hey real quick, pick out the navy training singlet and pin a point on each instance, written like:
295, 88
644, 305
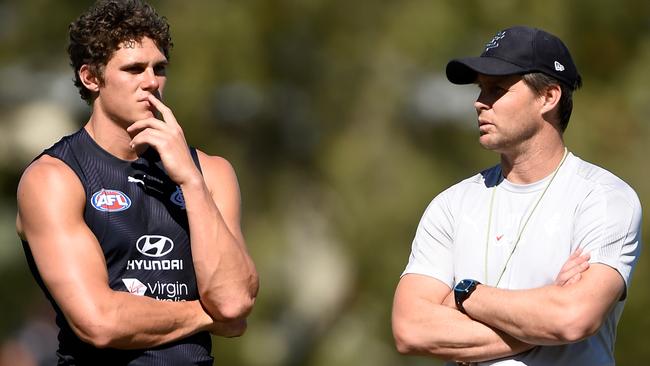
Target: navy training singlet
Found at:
138, 216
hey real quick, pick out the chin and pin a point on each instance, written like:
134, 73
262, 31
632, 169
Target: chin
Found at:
489, 144
144, 115
485, 142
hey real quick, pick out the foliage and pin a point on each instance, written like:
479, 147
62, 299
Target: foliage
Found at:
341, 126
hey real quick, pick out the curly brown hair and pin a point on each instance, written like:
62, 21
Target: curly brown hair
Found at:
98, 33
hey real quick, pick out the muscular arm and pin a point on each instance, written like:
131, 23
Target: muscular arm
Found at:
423, 303
551, 314
422, 324
225, 273
71, 264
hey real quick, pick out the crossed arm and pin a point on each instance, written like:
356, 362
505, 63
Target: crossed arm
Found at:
226, 276
501, 322
423, 324
550, 315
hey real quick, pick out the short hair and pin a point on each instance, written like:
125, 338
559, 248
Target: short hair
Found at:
100, 31
538, 82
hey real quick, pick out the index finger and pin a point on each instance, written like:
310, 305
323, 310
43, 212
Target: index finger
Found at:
165, 111
576, 253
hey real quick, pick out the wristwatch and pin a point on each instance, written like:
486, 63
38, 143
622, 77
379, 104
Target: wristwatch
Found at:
462, 290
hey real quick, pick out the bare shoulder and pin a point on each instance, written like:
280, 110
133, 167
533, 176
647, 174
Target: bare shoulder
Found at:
218, 172
214, 162
221, 180
46, 174
47, 183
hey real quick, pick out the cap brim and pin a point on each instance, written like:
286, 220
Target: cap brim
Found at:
465, 70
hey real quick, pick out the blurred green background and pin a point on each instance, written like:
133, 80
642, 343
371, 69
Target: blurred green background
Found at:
342, 127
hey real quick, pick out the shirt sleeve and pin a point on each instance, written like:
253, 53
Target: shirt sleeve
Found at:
431, 250
608, 227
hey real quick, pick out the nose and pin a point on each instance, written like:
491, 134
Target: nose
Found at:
481, 103
150, 81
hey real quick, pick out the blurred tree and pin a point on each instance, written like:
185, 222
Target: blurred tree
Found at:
342, 127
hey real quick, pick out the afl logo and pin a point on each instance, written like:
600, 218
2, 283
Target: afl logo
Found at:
154, 245
110, 200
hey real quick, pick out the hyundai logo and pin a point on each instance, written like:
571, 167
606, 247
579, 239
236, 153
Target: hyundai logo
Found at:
154, 245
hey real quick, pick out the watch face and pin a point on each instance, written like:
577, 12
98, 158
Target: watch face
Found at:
462, 291
464, 285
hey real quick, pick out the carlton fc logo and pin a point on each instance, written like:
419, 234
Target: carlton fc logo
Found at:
177, 198
110, 200
154, 245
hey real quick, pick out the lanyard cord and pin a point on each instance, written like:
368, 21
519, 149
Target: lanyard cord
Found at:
521, 231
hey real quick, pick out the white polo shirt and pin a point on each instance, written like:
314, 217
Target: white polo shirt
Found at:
585, 206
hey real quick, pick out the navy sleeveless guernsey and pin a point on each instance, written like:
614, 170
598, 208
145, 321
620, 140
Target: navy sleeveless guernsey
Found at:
138, 216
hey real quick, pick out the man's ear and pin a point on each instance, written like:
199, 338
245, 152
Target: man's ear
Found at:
88, 78
551, 97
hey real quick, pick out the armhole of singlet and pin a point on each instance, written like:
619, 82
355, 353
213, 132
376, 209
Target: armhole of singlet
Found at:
195, 157
61, 159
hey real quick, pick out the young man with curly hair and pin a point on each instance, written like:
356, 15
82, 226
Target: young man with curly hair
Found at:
133, 236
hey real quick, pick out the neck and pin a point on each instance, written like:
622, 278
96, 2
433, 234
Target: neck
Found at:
111, 136
533, 164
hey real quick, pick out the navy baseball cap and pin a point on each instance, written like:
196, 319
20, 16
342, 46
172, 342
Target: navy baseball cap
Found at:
517, 51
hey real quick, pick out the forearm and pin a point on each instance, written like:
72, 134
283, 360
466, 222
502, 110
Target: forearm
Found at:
425, 321
162, 322
447, 334
226, 276
126, 321
543, 316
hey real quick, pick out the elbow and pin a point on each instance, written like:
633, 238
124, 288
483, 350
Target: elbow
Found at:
237, 310
413, 338
101, 341
404, 345
96, 330
406, 340
232, 310
408, 344
576, 325
577, 331
236, 306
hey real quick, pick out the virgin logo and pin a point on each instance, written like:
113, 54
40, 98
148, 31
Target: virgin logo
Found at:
154, 245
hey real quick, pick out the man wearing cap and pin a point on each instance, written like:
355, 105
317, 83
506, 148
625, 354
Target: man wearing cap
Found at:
529, 261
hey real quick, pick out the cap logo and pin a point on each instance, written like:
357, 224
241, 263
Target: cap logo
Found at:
494, 43
559, 66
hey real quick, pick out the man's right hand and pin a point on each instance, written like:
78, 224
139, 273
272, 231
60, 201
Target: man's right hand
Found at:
572, 269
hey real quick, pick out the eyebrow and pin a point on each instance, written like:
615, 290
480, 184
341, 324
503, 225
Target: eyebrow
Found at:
143, 64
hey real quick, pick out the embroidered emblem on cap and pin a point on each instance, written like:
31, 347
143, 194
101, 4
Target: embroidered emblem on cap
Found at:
494, 43
559, 66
